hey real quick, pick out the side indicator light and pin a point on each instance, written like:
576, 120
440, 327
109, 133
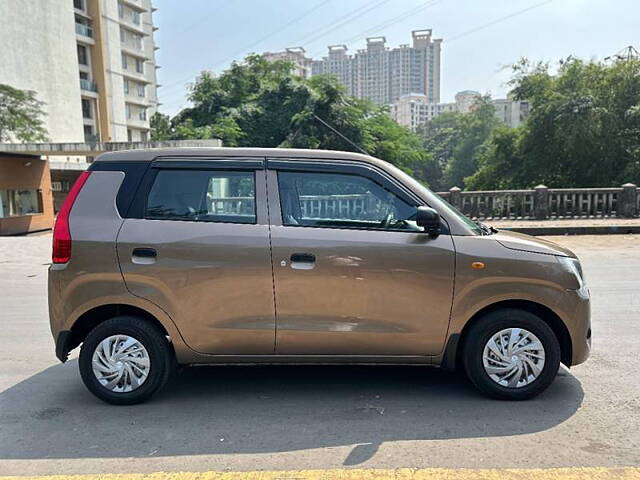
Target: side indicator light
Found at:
478, 265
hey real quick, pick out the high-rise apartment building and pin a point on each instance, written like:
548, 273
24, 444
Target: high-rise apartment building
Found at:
295, 55
91, 61
415, 109
510, 111
383, 74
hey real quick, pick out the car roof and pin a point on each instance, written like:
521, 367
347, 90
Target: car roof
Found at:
216, 153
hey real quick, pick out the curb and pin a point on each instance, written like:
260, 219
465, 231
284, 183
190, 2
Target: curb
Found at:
586, 230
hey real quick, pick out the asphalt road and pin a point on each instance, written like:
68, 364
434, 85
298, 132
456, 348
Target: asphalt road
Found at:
285, 418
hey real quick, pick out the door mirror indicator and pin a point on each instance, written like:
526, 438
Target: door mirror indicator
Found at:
429, 219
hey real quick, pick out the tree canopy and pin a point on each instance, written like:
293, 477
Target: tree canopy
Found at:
583, 129
456, 141
20, 115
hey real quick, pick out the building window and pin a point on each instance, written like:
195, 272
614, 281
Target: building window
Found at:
135, 16
120, 10
124, 61
83, 55
131, 39
86, 108
139, 66
140, 90
144, 136
126, 87
15, 203
129, 133
79, 4
142, 115
128, 108
89, 135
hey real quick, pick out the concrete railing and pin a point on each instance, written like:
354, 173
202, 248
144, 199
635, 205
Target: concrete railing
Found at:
543, 203
358, 206
540, 203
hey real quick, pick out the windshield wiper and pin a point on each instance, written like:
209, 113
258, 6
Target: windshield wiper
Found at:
486, 230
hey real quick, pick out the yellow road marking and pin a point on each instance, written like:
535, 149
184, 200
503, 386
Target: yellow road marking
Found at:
622, 473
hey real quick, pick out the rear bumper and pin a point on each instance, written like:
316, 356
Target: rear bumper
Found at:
64, 343
61, 337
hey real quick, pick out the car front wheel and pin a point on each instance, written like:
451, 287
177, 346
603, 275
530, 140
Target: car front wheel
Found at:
511, 354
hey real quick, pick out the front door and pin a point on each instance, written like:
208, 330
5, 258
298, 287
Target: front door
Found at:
200, 251
353, 273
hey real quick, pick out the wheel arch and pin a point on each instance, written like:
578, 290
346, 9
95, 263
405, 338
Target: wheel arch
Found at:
99, 314
455, 346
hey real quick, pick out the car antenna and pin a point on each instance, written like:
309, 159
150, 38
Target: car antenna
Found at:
362, 150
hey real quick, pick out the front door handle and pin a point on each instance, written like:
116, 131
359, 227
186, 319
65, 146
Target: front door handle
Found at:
303, 261
144, 256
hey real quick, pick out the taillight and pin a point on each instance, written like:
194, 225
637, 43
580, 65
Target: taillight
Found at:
61, 232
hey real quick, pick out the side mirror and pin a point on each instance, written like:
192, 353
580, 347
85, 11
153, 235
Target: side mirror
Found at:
428, 218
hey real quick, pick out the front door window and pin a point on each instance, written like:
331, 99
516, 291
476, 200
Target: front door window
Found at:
338, 200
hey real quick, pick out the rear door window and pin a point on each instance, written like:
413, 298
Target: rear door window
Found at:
203, 196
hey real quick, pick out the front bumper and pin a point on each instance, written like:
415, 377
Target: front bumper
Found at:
580, 329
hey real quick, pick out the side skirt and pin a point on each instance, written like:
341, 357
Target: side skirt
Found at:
312, 360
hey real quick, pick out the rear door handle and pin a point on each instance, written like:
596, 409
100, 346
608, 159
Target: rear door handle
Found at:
144, 256
303, 261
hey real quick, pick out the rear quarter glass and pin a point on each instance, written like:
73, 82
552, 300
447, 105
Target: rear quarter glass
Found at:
133, 173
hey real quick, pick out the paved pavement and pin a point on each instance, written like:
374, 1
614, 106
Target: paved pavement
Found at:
569, 222
290, 418
571, 226
591, 473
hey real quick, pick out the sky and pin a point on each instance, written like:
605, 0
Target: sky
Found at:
481, 38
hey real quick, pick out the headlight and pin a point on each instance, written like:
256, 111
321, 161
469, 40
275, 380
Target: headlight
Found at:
572, 265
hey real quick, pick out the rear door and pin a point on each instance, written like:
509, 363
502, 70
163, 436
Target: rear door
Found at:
199, 249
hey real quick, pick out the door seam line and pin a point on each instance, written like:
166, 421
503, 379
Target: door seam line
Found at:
273, 277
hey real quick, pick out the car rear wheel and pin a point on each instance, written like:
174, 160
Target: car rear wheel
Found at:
511, 354
125, 360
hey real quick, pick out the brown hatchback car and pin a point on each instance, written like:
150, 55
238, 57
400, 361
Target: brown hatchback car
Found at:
218, 256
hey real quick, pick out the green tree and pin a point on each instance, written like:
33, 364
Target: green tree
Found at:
160, 126
474, 129
457, 141
583, 129
21, 115
500, 162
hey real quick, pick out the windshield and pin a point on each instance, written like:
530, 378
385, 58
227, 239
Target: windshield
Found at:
441, 205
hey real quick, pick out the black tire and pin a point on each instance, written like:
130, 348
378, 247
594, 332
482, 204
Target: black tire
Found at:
161, 357
481, 332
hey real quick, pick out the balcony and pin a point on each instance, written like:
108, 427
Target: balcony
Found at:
135, 4
133, 48
136, 99
88, 85
130, 25
91, 138
84, 30
136, 76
